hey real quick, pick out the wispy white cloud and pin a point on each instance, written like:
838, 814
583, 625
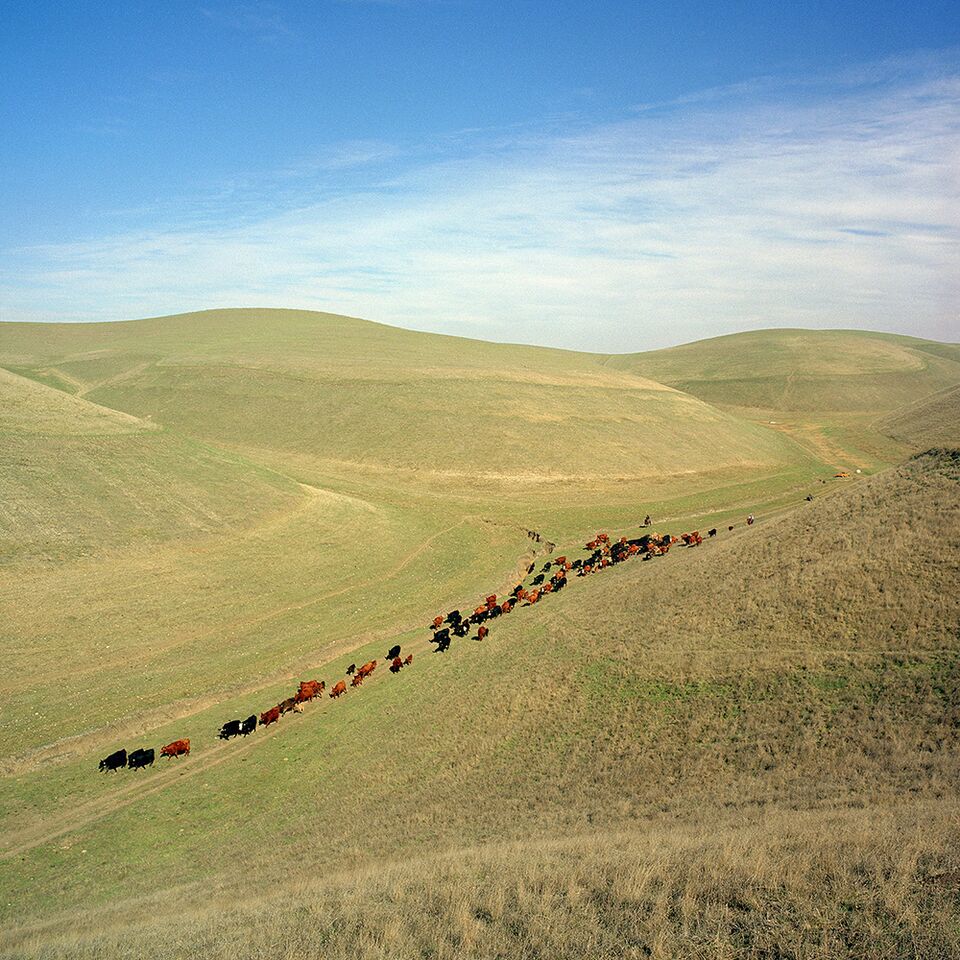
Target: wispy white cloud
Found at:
257, 18
745, 209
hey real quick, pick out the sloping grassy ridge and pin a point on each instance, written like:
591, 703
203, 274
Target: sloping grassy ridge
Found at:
745, 749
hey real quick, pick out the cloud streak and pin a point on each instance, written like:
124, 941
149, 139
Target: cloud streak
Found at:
744, 209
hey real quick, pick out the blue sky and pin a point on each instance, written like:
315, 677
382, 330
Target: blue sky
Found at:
601, 176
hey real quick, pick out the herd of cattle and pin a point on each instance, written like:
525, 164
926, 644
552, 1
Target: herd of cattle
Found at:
604, 553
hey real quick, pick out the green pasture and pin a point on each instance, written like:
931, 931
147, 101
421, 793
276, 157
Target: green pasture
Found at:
199, 511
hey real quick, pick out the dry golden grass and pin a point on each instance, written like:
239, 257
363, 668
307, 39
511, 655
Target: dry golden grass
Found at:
845, 883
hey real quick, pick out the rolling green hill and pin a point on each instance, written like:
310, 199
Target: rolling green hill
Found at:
79, 479
823, 388
813, 371
339, 396
677, 756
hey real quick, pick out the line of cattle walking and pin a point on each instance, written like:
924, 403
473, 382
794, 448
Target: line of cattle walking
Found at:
604, 553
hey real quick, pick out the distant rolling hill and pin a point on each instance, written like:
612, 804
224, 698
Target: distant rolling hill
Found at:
811, 371
339, 395
730, 748
823, 388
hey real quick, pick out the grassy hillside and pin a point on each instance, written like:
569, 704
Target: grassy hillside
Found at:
803, 370
197, 511
823, 388
728, 750
80, 479
335, 395
283, 485
932, 421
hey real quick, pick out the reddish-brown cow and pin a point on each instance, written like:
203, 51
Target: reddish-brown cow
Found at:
367, 668
179, 748
271, 716
308, 690
339, 687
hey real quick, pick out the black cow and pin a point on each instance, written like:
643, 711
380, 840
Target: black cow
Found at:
537, 580
350, 669
141, 758
442, 636
712, 533
393, 652
230, 729
576, 565
495, 612
453, 618
547, 566
443, 645
462, 628
115, 761
249, 725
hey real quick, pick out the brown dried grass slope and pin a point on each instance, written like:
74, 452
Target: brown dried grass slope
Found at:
932, 421
746, 749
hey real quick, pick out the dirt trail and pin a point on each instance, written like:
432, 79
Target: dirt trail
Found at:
140, 724
79, 816
172, 772
60, 822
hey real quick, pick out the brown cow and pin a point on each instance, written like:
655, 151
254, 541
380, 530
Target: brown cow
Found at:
506, 606
533, 597
357, 680
339, 687
437, 623
482, 632
367, 668
408, 660
271, 716
179, 748
285, 706
396, 666
308, 690
492, 600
